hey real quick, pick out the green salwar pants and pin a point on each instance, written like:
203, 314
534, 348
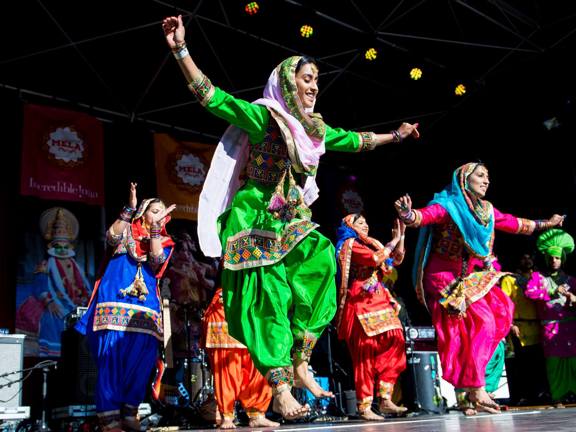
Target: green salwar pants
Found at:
495, 367
561, 376
281, 309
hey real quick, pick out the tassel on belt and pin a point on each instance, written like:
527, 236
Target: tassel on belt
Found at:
286, 206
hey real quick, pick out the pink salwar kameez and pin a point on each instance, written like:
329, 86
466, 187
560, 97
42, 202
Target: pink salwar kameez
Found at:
467, 340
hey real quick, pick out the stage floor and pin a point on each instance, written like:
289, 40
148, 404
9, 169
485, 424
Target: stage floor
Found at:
529, 420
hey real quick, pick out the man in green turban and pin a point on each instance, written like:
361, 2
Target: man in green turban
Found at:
555, 293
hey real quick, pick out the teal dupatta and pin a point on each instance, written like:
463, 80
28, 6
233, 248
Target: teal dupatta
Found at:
475, 221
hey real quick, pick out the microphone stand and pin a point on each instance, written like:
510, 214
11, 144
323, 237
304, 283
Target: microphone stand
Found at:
42, 424
336, 385
187, 360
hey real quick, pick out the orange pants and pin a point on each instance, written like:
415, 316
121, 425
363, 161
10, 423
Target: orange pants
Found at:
377, 360
236, 378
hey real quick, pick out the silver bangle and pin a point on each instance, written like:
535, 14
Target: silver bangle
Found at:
396, 137
181, 53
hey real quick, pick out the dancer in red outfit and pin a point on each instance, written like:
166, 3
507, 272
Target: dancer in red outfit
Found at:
368, 314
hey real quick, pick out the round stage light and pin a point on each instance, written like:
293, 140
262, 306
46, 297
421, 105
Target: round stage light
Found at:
460, 90
416, 73
371, 54
252, 8
306, 31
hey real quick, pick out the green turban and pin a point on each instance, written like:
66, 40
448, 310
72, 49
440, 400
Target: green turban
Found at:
555, 242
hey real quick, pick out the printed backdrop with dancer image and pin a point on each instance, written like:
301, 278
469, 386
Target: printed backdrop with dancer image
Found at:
55, 275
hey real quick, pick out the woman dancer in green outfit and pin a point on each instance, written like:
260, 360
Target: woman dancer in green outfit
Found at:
278, 278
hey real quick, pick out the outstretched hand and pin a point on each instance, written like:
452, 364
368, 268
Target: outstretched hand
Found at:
403, 205
556, 220
132, 200
174, 30
406, 129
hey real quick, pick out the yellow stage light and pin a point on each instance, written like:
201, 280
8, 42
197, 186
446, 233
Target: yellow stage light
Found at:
416, 73
460, 90
252, 8
306, 31
371, 54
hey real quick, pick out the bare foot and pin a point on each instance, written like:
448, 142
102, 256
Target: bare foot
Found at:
227, 423
217, 417
466, 406
482, 401
388, 407
303, 378
370, 415
288, 407
261, 421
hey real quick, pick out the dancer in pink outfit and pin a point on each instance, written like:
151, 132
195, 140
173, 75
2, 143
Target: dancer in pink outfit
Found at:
454, 275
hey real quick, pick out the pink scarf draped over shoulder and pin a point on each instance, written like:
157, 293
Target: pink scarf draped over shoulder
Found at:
232, 153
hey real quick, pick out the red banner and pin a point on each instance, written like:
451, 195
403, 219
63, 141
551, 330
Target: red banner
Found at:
62, 155
181, 169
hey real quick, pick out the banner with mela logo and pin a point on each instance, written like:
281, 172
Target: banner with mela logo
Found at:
181, 168
62, 155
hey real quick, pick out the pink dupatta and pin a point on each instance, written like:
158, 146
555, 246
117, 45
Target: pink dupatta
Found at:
231, 155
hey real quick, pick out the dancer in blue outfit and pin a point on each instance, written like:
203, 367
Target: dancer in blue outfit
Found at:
124, 319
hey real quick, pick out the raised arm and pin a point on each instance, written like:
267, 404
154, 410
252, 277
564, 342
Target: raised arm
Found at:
174, 32
116, 230
158, 222
515, 225
429, 215
399, 250
366, 256
397, 135
338, 139
252, 118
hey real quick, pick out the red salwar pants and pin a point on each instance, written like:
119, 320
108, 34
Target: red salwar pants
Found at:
378, 361
236, 378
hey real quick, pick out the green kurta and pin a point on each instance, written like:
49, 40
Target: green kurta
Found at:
278, 278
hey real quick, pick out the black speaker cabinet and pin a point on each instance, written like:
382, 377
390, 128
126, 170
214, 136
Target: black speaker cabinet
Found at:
421, 383
76, 374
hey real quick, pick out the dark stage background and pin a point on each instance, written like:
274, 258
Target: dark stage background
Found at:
111, 61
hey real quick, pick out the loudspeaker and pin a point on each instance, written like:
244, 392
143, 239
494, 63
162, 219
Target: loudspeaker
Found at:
421, 389
11, 360
350, 402
76, 375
